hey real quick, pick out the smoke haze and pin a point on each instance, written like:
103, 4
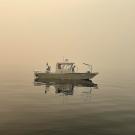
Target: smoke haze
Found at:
98, 32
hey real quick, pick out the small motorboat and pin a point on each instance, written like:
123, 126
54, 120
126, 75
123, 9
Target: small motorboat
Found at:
64, 71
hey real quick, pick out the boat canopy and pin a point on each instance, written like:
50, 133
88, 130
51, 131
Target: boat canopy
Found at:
64, 66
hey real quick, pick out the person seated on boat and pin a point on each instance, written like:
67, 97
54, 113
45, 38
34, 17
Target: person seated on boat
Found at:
73, 68
49, 68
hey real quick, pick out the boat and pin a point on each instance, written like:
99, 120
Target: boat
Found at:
64, 71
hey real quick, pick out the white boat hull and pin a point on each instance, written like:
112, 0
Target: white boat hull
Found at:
64, 76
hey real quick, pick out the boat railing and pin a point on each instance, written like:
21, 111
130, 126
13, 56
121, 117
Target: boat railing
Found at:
90, 67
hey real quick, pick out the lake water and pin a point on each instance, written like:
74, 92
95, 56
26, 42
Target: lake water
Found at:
26, 109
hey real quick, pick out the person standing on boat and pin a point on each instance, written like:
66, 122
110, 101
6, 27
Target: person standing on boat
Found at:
48, 68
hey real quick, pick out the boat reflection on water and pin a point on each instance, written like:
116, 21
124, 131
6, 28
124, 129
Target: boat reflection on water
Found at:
65, 87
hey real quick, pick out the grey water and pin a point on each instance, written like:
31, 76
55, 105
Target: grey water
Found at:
28, 109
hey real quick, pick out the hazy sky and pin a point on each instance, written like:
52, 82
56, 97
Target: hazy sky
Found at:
101, 32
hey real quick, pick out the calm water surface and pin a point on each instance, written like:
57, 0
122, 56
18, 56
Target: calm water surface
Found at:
26, 109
